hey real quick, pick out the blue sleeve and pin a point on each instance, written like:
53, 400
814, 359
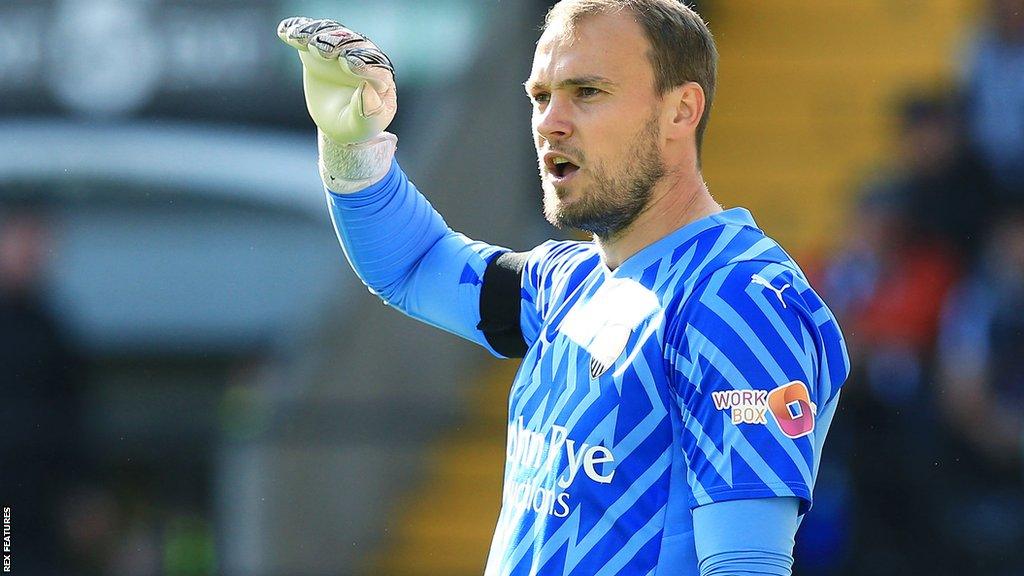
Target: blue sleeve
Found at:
746, 537
749, 370
403, 250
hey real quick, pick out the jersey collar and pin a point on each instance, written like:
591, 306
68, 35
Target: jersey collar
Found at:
657, 250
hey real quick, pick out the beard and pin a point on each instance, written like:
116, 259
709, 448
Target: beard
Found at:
617, 195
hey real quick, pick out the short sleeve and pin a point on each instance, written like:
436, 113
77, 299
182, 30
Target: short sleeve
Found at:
744, 357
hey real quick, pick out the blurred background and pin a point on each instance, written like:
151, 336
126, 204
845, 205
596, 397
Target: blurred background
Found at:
193, 382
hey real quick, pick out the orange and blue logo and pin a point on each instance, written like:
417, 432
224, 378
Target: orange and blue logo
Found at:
792, 408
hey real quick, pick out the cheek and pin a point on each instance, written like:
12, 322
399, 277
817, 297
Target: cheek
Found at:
624, 143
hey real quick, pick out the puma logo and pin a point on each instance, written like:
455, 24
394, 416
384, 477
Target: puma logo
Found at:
761, 281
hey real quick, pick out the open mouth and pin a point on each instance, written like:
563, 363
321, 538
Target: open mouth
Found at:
560, 166
564, 169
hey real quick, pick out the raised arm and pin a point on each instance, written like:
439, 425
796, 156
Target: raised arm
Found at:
400, 247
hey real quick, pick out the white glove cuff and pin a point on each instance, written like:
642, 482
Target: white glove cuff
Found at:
347, 168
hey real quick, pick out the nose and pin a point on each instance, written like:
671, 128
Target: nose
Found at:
554, 121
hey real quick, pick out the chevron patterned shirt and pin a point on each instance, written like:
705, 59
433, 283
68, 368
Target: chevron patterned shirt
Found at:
703, 369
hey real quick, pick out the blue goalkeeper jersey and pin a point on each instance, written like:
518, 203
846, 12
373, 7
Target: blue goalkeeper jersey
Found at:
702, 369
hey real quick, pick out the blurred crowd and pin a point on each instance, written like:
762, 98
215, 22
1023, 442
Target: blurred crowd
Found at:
925, 464
929, 288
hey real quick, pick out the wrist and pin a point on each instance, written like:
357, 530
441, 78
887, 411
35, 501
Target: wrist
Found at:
347, 168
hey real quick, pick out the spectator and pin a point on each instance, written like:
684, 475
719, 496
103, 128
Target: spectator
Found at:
886, 288
947, 190
982, 349
914, 230
982, 381
38, 398
994, 79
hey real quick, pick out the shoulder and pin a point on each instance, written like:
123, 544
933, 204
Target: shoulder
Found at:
761, 314
745, 292
731, 238
732, 265
740, 273
553, 268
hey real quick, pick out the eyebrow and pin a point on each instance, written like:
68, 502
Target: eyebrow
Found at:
590, 80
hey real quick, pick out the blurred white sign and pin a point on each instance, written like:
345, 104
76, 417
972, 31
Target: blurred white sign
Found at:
113, 57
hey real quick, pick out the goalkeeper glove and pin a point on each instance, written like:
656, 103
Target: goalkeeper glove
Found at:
350, 94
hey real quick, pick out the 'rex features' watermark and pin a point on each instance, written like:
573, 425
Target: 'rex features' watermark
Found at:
7, 539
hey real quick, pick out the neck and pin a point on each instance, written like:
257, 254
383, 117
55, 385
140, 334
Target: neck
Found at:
677, 199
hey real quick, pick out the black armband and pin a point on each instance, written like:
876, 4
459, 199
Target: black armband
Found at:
501, 302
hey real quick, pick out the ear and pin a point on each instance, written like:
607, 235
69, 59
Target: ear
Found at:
685, 107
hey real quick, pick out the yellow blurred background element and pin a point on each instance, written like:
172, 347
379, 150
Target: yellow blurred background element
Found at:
805, 102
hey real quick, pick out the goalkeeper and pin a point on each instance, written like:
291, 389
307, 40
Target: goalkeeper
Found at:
679, 375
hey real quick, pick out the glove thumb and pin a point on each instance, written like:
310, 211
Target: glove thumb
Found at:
367, 100
364, 117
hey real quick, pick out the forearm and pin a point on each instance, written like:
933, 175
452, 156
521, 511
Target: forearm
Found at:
747, 563
395, 241
385, 230
403, 250
746, 537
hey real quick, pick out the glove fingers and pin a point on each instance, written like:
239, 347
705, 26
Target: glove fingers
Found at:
289, 23
331, 42
296, 32
371, 64
355, 54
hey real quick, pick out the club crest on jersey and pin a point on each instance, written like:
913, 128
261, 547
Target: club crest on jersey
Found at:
603, 324
606, 346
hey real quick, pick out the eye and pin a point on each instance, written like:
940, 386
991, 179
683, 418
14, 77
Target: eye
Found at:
540, 97
588, 91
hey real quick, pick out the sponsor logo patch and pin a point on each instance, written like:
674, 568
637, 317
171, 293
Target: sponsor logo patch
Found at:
743, 406
790, 405
792, 408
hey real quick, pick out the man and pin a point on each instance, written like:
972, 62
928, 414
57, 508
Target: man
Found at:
40, 398
678, 375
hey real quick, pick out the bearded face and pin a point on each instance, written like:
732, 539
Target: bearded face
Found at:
605, 194
597, 123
